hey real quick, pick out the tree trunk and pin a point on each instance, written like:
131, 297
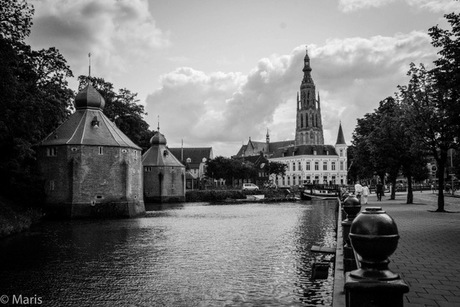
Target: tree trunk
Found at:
393, 189
441, 168
410, 193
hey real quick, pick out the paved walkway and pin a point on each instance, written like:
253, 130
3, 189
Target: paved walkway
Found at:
428, 253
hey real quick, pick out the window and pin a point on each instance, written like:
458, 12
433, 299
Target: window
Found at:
51, 151
325, 179
341, 152
299, 165
325, 166
316, 166
333, 166
101, 150
148, 169
341, 165
293, 166
307, 167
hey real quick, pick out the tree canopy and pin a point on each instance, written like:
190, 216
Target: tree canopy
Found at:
36, 99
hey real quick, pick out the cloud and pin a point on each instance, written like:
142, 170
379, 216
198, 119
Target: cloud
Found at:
436, 5
431, 5
100, 27
354, 5
352, 75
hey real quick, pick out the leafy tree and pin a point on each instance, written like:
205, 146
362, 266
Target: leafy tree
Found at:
36, 98
16, 19
432, 122
123, 109
230, 169
376, 144
275, 168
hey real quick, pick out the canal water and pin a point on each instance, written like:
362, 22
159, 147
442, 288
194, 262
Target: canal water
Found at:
194, 254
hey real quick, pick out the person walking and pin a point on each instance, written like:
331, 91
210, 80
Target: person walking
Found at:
358, 190
379, 191
366, 193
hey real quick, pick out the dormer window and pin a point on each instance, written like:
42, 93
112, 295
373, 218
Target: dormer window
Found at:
188, 160
95, 122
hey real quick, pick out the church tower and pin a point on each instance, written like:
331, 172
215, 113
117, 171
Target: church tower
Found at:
309, 127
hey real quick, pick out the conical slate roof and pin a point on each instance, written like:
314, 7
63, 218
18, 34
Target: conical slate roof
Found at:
89, 125
158, 154
340, 137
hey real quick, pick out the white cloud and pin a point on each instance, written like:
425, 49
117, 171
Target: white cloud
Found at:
117, 33
352, 75
436, 5
431, 5
354, 5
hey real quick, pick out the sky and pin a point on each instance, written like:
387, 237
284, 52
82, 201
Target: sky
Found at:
214, 73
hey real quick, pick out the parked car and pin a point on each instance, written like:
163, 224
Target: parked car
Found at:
250, 187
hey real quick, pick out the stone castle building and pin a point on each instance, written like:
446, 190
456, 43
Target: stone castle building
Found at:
90, 167
307, 158
164, 175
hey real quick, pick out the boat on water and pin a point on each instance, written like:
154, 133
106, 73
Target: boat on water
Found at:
322, 192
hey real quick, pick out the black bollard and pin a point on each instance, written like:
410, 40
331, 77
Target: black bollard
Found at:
351, 207
374, 237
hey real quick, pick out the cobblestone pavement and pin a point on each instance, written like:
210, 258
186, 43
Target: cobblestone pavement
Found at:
428, 253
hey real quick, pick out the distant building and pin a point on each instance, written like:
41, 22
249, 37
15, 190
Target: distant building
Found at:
91, 168
194, 159
164, 175
306, 157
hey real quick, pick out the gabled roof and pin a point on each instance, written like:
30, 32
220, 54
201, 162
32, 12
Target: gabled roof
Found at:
258, 146
274, 146
300, 150
196, 154
81, 129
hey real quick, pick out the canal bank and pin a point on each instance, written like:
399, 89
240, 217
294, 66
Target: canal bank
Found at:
16, 219
427, 252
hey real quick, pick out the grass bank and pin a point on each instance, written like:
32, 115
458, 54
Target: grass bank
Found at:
15, 218
222, 195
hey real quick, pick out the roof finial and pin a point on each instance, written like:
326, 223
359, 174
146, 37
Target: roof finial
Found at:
158, 128
89, 65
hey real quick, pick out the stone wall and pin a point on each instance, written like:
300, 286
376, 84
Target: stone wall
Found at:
164, 184
81, 178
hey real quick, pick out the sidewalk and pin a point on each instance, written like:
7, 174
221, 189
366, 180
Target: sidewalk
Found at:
428, 253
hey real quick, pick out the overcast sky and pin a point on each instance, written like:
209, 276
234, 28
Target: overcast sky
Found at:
217, 72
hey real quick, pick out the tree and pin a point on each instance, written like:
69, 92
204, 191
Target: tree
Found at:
35, 99
432, 120
16, 19
275, 168
230, 169
123, 109
376, 144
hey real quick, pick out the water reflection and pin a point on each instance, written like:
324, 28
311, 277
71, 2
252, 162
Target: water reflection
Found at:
187, 255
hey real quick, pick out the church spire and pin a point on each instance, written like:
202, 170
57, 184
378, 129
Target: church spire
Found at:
306, 69
309, 127
340, 137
